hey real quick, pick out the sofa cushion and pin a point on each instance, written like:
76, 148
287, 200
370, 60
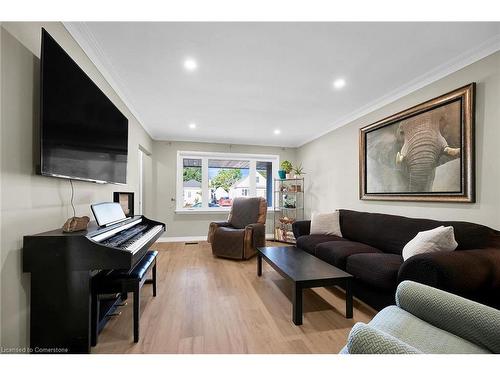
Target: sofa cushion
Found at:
390, 233
326, 223
377, 269
308, 243
337, 252
440, 239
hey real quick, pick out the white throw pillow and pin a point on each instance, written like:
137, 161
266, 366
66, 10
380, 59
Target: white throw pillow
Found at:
327, 223
431, 241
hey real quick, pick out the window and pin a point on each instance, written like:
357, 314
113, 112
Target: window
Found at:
263, 184
210, 181
227, 179
191, 183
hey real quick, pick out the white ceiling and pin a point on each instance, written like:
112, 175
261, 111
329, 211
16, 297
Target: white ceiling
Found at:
254, 78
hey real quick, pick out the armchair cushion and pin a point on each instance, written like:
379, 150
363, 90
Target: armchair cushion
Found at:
244, 211
261, 219
235, 243
365, 339
228, 242
467, 319
213, 226
420, 334
255, 236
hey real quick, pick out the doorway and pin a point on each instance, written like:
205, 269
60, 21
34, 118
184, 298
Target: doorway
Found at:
145, 182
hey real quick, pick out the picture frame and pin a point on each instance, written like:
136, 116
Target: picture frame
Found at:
424, 153
126, 200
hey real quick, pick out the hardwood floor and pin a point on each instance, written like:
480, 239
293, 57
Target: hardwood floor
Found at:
212, 305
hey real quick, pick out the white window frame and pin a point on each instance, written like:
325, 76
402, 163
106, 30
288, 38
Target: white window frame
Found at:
205, 156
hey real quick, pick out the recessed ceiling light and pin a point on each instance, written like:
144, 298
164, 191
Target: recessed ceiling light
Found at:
277, 131
339, 83
190, 64
192, 125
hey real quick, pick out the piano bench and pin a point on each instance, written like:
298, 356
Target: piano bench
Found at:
124, 282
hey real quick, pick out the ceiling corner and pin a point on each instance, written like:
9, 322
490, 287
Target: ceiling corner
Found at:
469, 57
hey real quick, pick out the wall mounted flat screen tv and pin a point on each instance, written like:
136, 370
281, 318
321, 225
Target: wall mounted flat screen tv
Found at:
82, 134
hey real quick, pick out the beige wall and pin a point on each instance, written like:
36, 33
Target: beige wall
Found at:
164, 176
331, 161
31, 203
1, 221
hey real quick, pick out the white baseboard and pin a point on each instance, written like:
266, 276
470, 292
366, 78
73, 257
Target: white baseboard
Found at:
269, 236
182, 239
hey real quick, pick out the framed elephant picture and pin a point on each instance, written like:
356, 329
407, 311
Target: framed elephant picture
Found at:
425, 153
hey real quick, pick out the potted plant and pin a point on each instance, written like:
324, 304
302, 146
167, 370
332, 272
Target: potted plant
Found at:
298, 171
286, 167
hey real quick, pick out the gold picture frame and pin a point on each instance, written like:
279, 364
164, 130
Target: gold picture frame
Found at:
424, 153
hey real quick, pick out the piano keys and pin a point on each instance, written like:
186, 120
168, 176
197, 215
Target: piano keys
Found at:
62, 266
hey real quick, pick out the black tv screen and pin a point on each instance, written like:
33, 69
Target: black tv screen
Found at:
83, 135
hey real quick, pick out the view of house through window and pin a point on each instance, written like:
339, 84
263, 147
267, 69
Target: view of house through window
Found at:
264, 181
223, 177
191, 183
227, 179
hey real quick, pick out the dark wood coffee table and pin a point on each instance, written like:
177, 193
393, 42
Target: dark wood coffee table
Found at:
305, 271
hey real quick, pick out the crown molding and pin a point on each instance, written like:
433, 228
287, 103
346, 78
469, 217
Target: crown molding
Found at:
227, 141
89, 44
489, 47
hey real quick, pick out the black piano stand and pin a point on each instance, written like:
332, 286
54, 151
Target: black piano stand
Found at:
122, 283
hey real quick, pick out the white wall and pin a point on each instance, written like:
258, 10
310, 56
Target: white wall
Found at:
331, 161
164, 177
30, 203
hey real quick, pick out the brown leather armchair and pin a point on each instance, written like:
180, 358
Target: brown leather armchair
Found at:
243, 232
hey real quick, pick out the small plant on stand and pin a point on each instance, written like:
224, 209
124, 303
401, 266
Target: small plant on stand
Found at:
287, 167
298, 171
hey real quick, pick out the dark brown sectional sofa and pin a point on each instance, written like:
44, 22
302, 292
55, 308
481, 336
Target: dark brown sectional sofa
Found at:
371, 248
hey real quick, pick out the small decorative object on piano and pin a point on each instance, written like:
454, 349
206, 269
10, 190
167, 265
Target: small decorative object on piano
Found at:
126, 200
75, 224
